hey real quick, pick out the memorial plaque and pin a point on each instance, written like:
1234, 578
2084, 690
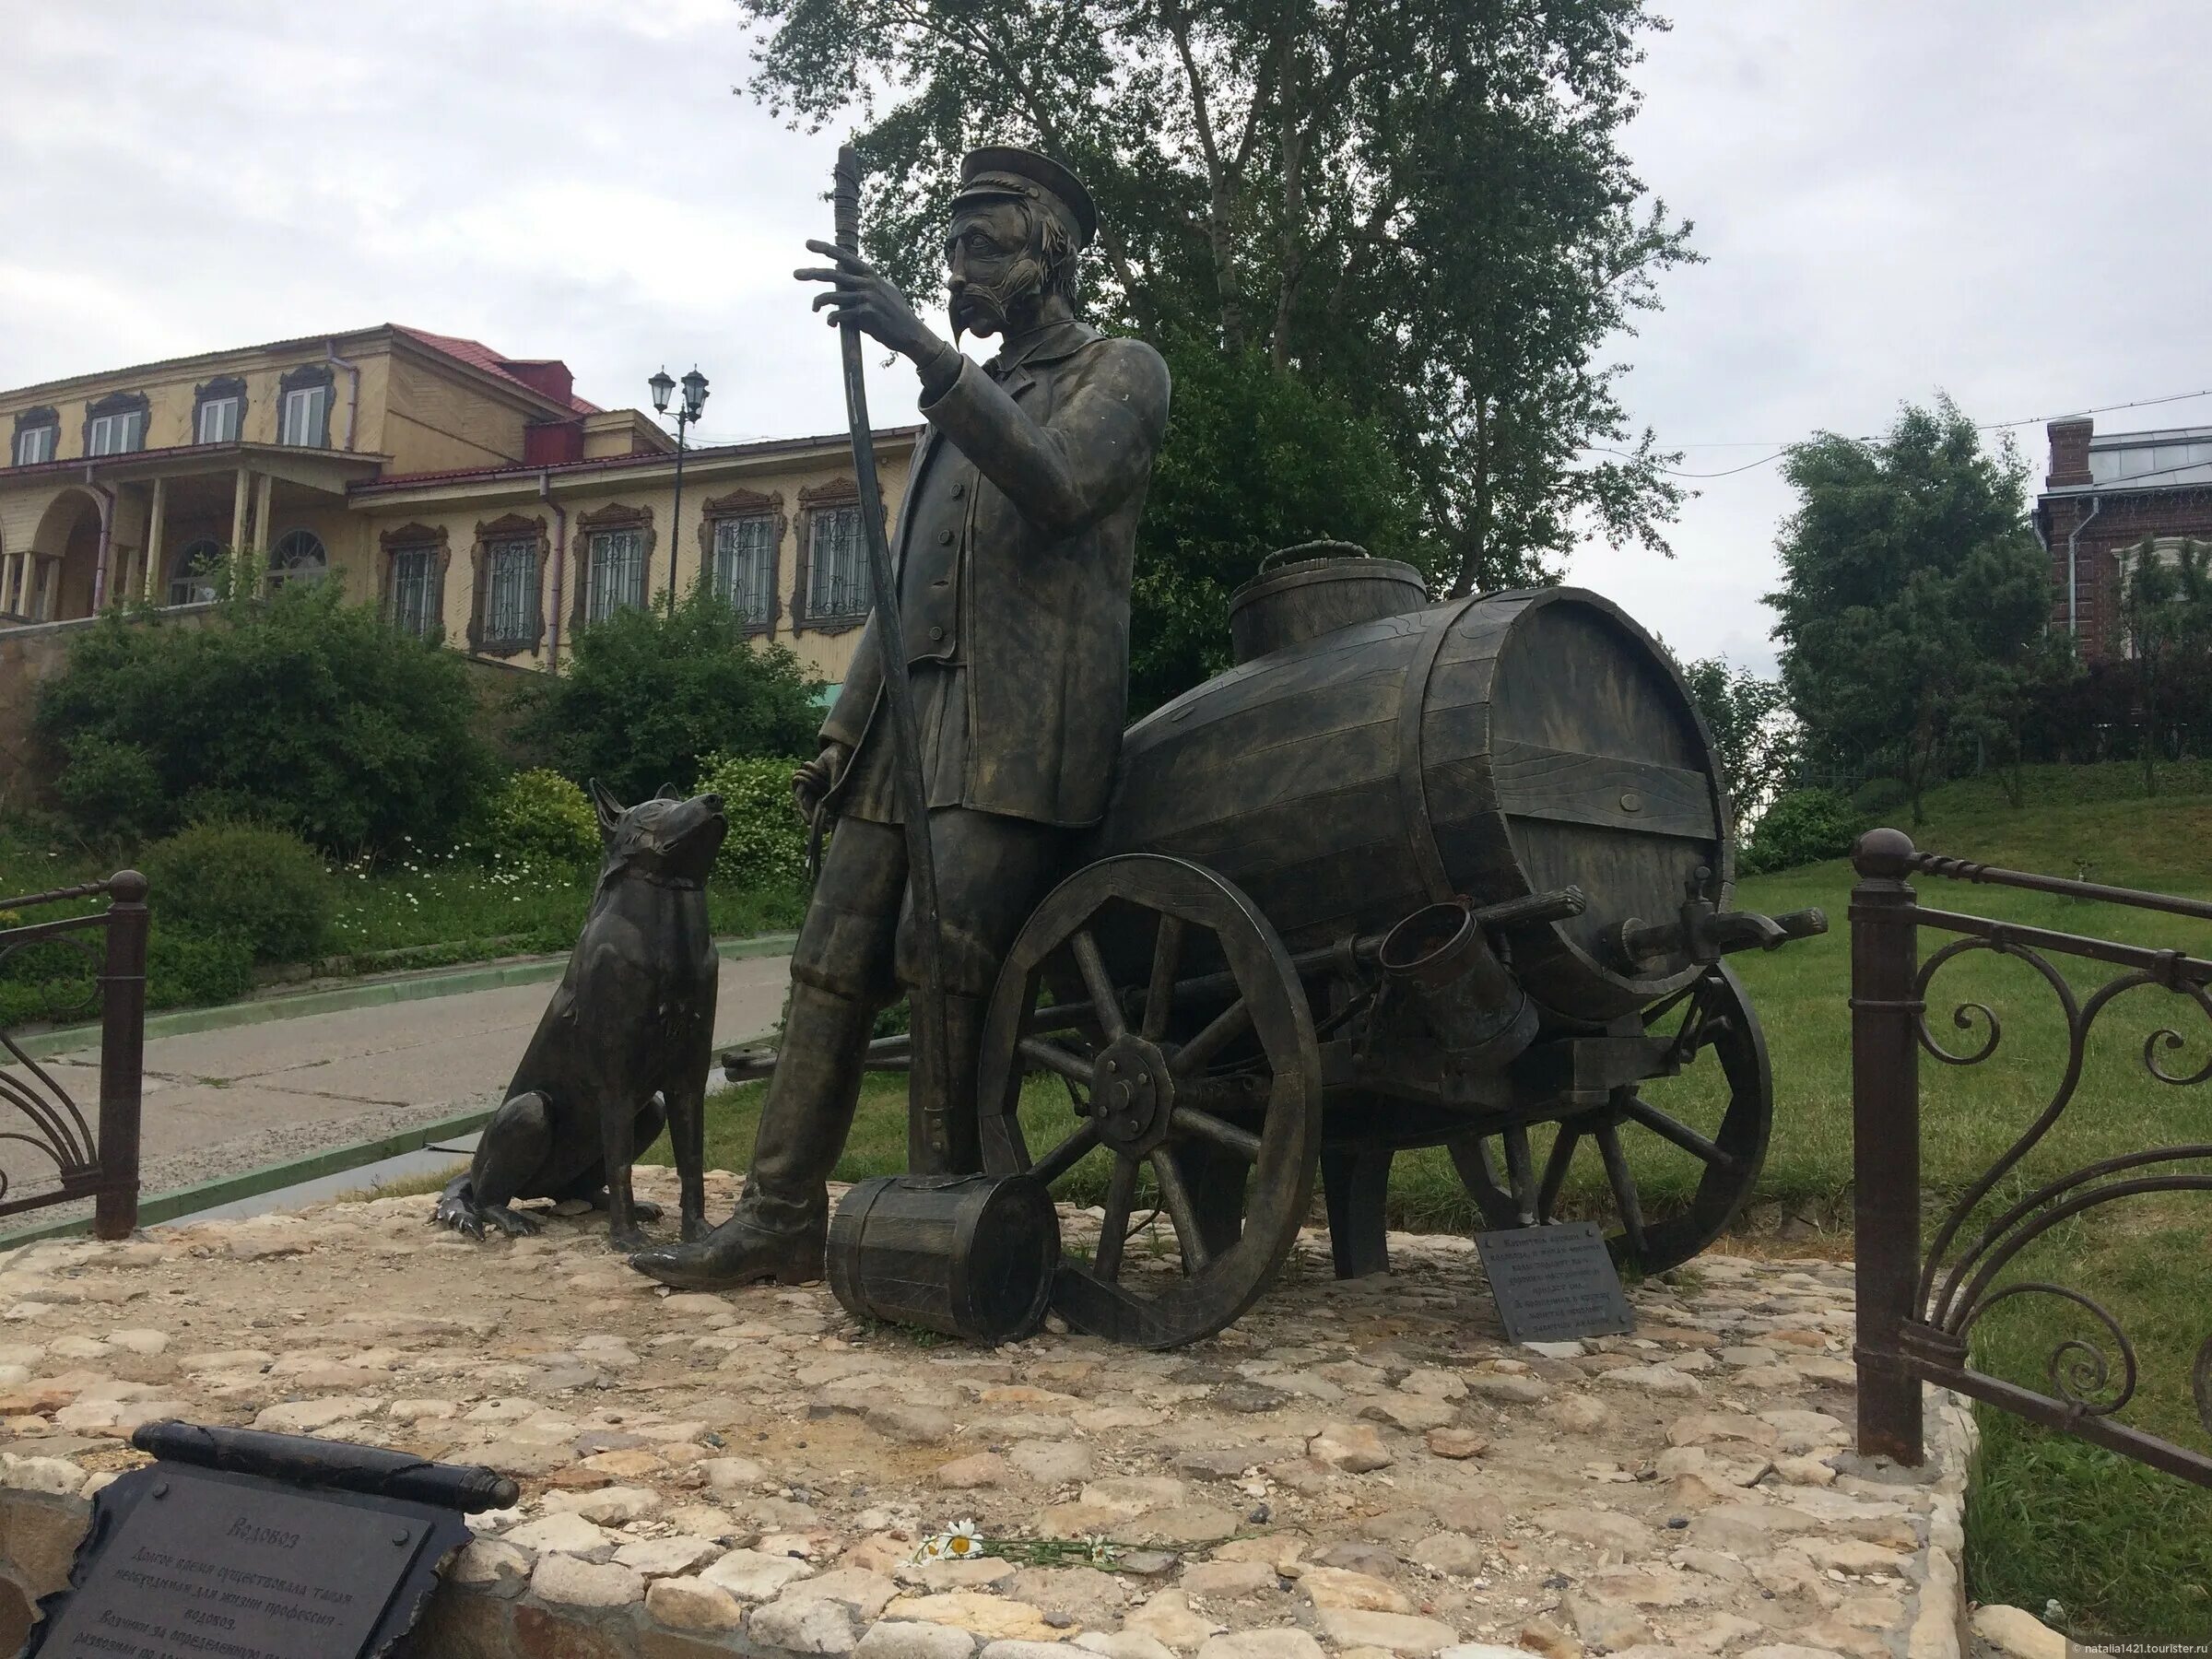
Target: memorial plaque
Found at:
1552, 1284
186, 1563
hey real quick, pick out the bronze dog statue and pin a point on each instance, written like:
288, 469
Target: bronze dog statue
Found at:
623, 1046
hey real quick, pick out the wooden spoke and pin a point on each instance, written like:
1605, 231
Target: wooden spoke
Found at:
1519, 1170
1555, 1168
1188, 1120
1175, 1198
1066, 1155
1105, 1006
1160, 992
1113, 1227
1624, 1190
1054, 1058
1682, 1134
1223, 1030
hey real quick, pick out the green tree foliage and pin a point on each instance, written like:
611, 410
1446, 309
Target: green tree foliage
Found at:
302, 712
1751, 729
1255, 459
2166, 602
650, 695
1911, 592
1422, 207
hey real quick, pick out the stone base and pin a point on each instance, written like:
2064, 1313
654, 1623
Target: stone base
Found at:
1362, 1467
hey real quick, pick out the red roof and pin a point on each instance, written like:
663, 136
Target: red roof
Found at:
477, 355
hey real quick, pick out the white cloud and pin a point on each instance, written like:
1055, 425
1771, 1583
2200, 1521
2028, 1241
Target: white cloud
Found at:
1989, 197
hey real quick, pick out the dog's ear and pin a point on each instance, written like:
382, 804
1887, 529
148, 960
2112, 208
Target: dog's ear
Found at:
610, 811
669, 792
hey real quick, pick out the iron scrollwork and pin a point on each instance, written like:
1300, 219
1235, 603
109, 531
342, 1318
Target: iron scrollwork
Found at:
2094, 1375
37, 1111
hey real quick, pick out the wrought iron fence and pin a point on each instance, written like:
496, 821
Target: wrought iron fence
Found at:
38, 1120
1917, 1309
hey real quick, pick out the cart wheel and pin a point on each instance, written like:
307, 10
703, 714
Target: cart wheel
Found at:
1710, 1124
1196, 1092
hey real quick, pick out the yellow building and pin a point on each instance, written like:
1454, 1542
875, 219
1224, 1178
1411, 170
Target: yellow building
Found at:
465, 491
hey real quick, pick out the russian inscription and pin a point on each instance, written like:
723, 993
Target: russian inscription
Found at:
1552, 1284
211, 1565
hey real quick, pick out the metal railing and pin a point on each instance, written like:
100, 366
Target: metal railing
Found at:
1917, 1309
36, 1111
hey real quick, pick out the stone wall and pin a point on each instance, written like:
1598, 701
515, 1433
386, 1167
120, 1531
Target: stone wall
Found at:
29, 656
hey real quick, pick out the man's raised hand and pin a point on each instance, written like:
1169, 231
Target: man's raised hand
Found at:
858, 295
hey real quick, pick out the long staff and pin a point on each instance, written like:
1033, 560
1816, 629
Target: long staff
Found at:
930, 1081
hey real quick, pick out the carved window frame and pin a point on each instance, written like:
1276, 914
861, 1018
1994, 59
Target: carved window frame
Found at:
43, 418
221, 388
305, 378
838, 492
614, 516
746, 504
107, 408
412, 538
510, 527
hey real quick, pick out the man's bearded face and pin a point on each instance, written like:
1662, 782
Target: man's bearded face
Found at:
994, 275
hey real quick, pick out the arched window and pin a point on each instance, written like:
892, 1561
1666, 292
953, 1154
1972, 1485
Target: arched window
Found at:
192, 574
298, 556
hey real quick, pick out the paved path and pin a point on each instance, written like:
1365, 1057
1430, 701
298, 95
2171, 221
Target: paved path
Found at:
220, 1101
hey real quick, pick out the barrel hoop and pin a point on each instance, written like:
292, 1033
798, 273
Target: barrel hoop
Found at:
1413, 795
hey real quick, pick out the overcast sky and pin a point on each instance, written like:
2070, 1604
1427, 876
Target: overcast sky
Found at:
1991, 197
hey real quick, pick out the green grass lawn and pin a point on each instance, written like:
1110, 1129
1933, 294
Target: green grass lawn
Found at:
2127, 1554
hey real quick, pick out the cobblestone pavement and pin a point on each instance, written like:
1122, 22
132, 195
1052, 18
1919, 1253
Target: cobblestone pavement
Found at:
1363, 1467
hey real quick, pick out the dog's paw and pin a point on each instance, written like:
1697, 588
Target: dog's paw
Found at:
629, 1241
696, 1228
646, 1211
514, 1223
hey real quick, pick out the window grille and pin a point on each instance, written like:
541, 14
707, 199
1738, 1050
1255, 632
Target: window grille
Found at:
414, 591
745, 567
617, 559
510, 591
837, 569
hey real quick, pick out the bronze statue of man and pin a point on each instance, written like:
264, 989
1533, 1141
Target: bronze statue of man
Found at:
1014, 553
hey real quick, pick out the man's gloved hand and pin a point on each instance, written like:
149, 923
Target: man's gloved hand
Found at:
815, 779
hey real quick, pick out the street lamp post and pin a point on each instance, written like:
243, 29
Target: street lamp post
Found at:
695, 400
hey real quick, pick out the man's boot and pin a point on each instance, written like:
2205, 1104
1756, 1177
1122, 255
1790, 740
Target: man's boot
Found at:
780, 1230
964, 1050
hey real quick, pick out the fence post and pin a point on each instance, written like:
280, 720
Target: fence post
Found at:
1885, 1104
122, 1056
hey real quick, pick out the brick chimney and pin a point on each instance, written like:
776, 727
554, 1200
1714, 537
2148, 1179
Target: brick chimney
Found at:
549, 375
2069, 451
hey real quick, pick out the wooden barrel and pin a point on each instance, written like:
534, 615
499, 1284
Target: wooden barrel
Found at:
1492, 747
1307, 591
969, 1255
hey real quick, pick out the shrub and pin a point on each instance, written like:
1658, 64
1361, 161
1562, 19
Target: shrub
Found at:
187, 970
1803, 827
652, 695
1878, 797
540, 820
766, 844
299, 711
262, 888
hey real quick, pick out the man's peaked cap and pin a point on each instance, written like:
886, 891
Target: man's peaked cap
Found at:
997, 171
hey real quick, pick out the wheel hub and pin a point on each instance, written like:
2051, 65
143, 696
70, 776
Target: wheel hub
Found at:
1133, 1097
